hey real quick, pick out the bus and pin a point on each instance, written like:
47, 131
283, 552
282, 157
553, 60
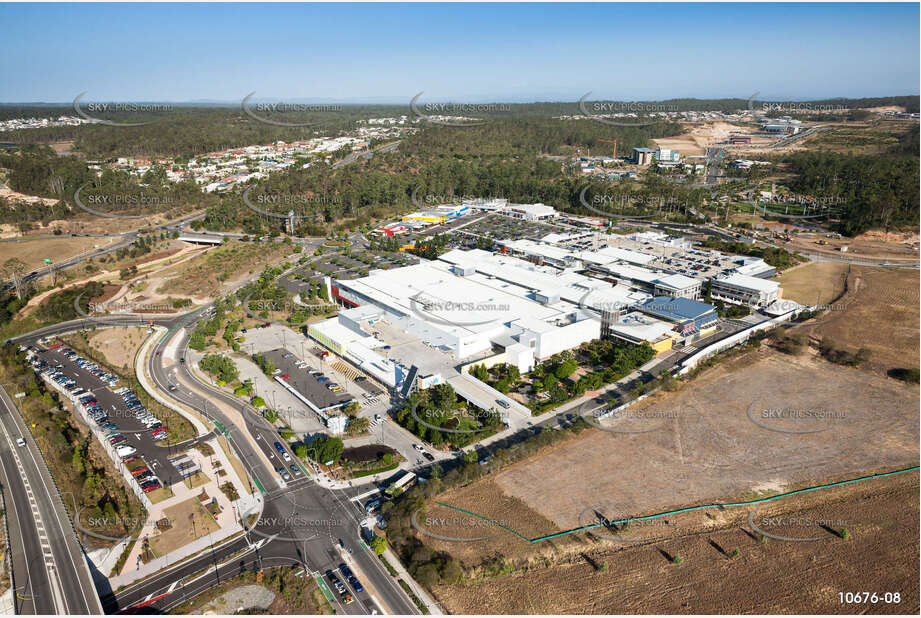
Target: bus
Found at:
402, 484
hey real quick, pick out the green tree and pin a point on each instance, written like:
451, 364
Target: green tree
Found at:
379, 545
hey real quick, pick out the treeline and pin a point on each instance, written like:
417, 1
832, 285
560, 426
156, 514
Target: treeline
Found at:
38, 170
519, 135
185, 131
870, 191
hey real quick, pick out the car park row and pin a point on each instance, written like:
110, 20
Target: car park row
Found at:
85, 400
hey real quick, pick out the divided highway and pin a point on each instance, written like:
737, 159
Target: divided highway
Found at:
51, 574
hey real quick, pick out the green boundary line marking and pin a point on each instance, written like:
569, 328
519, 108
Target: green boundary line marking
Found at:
686, 509
324, 588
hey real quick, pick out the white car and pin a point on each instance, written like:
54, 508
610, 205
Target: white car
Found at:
418, 447
285, 456
20, 442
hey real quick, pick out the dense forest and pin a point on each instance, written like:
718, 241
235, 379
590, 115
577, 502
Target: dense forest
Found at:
185, 130
874, 192
38, 170
521, 156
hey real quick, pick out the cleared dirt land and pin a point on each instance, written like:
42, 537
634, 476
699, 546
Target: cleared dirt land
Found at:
700, 136
772, 576
204, 275
707, 446
814, 282
879, 312
117, 345
716, 439
32, 252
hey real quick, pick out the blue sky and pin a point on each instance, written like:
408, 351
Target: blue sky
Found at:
482, 52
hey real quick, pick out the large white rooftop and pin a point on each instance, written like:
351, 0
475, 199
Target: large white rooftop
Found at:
749, 283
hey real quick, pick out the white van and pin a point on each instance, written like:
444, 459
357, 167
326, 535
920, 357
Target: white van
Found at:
125, 450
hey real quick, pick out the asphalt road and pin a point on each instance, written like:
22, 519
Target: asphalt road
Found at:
50, 571
127, 239
302, 522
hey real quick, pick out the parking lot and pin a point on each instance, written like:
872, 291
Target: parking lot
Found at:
112, 409
499, 227
339, 265
316, 387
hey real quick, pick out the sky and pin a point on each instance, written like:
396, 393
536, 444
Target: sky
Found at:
459, 52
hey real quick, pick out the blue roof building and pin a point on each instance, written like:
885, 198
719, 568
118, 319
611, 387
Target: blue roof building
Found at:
689, 316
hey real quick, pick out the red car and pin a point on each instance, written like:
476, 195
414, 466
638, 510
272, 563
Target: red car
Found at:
151, 488
138, 471
55, 346
129, 460
285, 377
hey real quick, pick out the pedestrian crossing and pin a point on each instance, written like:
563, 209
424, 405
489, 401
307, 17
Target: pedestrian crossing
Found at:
348, 372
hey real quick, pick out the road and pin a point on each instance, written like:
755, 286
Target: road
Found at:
364, 154
293, 509
301, 521
126, 239
50, 571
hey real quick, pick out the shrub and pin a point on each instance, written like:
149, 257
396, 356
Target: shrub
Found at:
905, 375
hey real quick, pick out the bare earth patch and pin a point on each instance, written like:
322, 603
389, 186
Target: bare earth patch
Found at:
118, 345
814, 283
879, 312
773, 577
716, 439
